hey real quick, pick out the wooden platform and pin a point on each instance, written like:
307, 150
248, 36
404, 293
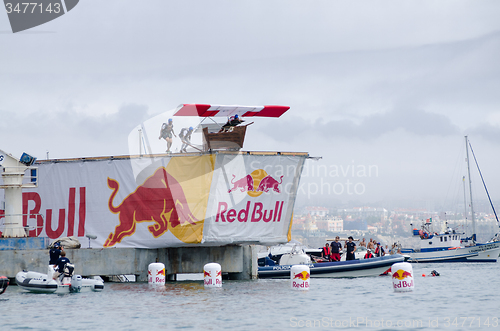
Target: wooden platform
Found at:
225, 140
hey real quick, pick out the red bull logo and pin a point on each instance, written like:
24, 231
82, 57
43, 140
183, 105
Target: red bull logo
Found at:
401, 274
160, 272
402, 280
254, 212
256, 183
304, 275
207, 273
160, 199
219, 273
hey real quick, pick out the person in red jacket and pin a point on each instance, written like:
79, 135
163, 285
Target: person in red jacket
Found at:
326, 252
368, 254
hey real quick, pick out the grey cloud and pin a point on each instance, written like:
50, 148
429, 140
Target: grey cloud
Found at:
68, 133
487, 132
415, 121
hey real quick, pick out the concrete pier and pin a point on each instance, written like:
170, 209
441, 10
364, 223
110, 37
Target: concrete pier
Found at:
237, 262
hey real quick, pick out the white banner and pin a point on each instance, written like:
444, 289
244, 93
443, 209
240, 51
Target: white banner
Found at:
252, 198
211, 199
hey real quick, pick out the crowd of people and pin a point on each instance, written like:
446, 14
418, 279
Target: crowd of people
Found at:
331, 252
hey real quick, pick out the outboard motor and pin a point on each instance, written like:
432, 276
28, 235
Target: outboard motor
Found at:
76, 284
4, 282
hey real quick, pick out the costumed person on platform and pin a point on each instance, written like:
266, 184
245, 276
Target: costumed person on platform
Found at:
185, 136
166, 132
231, 123
351, 248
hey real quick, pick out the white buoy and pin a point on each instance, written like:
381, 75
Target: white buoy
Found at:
212, 275
402, 277
299, 277
156, 274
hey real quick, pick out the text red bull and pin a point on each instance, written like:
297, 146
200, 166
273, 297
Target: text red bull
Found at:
243, 215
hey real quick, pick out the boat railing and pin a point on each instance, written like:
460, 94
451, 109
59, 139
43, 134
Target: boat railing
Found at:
14, 225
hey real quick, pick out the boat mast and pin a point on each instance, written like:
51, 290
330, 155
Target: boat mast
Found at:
465, 206
470, 190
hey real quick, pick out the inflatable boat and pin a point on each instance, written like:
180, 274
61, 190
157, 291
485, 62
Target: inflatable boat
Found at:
38, 282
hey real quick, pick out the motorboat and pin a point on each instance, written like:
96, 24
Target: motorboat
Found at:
449, 245
360, 267
38, 282
277, 251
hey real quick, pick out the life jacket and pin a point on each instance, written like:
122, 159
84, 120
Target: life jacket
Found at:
376, 250
368, 255
326, 251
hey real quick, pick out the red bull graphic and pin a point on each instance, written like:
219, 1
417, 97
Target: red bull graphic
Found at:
269, 183
402, 280
242, 184
212, 275
160, 199
300, 280
401, 274
304, 275
256, 183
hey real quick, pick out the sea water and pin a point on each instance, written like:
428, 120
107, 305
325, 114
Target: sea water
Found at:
464, 297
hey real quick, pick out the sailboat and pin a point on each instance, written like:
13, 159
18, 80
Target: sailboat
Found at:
450, 246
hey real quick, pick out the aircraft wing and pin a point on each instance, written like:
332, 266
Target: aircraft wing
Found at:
203, 110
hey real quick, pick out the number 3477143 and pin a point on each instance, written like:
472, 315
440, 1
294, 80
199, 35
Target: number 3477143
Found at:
32, 8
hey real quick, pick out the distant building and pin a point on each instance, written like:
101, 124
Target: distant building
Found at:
317, 211
365, 212
330, 223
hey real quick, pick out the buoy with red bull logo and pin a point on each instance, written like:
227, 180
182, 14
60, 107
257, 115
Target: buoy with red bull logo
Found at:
299, 277
156, 274
212, 275
402, 277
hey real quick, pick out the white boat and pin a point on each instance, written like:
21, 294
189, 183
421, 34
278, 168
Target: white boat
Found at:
450, 246
359, 267
38, 282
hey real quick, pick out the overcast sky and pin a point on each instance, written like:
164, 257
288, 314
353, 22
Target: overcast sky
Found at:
391, 86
